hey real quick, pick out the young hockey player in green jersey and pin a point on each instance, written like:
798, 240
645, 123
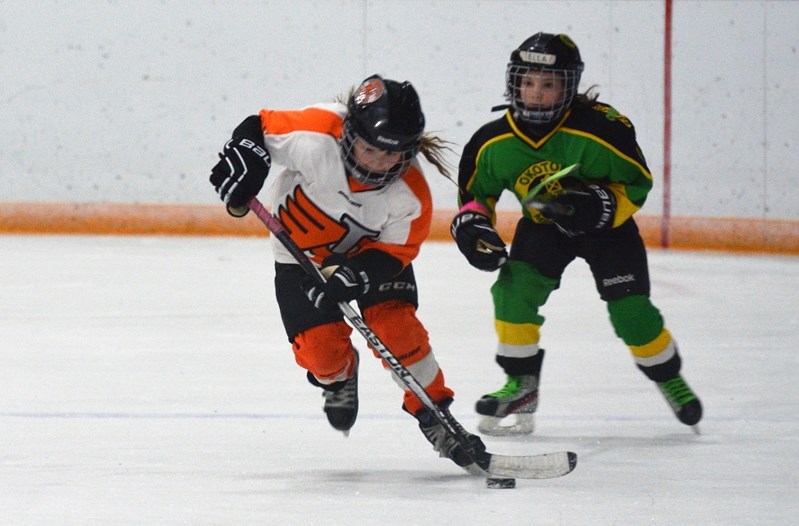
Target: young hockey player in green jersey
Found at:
588, 214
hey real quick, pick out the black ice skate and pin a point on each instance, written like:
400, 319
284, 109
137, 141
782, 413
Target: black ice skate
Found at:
341, 404
445, 442
518, 397
683, 401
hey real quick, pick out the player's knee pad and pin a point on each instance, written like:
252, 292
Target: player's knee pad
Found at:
325, 351
519, 291
635, 320
397, 326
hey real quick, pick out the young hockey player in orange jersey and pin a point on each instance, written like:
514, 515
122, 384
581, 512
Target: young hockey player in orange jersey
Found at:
354, 198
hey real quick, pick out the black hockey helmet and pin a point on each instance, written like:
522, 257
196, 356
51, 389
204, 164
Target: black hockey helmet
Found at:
387, 115
548, 53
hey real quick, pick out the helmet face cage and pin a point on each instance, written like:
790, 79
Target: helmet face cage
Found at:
567, 81
364, 174
386, 115
557, 60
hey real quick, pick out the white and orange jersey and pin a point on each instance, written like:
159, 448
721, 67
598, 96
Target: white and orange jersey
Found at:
326, 212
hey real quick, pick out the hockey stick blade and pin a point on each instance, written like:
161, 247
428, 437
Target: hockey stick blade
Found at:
543, 466
531, 195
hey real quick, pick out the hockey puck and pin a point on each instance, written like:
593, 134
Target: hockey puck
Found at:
498, 483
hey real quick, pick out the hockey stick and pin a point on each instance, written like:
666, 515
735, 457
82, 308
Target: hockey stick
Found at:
529, 198
486, 464
277, 229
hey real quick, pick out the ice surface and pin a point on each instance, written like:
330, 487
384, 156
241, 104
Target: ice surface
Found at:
148, 380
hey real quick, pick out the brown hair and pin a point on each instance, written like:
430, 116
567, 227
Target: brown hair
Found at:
434, 149
587, 98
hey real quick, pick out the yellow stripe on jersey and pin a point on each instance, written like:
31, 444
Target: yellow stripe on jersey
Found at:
610, 147
624, 207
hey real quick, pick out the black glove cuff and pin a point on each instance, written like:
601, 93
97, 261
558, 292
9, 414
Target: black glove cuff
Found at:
250, 128
468, 217
250, 136
606, 210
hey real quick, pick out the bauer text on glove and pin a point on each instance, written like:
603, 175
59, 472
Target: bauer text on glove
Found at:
242, 168
580, 210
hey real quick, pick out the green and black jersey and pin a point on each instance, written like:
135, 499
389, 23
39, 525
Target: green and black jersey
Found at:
500, 156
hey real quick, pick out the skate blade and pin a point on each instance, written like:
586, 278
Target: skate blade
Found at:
492, 425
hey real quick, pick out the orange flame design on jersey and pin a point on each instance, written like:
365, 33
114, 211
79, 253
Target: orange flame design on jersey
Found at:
312, 229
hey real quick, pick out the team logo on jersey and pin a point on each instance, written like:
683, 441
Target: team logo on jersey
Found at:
534, 174
316, 232
612, 114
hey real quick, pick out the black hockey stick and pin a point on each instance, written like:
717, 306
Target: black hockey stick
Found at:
486, 464
277, 229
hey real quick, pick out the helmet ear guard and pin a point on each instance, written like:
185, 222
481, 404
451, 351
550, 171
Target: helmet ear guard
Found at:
387, 115
544, 53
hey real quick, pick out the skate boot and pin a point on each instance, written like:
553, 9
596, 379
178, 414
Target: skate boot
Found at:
341, 403
447, 444
519, 397
683, 401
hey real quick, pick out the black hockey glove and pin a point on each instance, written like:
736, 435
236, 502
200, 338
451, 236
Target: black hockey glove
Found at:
242, 168
343, 283
350, 278
478, 241
580, 210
